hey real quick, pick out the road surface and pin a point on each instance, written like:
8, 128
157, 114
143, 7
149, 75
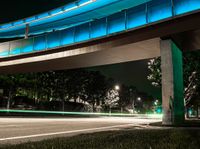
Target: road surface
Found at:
19, 130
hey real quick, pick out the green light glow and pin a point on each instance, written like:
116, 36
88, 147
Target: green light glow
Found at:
178, 99
81, 113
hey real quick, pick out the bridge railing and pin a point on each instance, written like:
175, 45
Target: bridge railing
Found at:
129, 19
56, 11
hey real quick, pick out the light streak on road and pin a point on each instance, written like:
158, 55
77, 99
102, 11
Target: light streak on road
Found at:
81, 113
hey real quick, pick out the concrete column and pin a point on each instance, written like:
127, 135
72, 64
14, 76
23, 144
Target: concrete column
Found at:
26, 31
172, 83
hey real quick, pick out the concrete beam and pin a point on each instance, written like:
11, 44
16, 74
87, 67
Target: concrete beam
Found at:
187, 41
95, 55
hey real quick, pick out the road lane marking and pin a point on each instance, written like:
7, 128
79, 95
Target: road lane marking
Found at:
66, 132
5, 126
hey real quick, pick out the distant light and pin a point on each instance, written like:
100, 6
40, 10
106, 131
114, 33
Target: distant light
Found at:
139, 99
117, 87
190, 111
156, 102
159, 110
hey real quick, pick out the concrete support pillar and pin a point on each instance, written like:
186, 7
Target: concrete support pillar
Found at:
172, 83
26, 31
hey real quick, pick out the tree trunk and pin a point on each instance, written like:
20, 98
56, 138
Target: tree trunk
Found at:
121, 109
133, 106
9, 99
63, 104
93, 109
187, 113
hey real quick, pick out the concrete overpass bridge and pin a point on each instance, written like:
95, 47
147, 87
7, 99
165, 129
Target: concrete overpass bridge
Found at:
99, 32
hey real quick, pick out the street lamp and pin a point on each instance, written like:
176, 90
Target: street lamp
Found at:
139, 98
117, 87
156, 102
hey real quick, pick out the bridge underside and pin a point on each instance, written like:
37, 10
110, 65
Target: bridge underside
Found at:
188, 41
85, 57
141, 43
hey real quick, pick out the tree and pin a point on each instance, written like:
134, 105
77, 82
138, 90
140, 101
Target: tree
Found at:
95, 88
191, 70
128, 95
112, 99
154, 65
10, 84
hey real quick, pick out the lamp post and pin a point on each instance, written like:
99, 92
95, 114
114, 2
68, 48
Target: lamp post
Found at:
133, 103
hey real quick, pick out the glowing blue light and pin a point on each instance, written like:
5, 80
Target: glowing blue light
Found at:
116, 23
18, 22
15, 51
159, 10
136, 16
6, 25
27, 45
40, 43
30, 19
27, 49
3, 54
82, 2
67, 36
15, 47
183, 6
159, 110
53, 39
43, 15
69, 7
108, 22
98, 28
190, 111
55, 11
82, 33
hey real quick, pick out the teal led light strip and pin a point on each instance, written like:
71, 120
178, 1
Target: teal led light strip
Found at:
81, 113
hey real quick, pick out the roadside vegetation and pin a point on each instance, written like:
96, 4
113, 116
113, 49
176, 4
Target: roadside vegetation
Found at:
77, 90
191, 78
123, 139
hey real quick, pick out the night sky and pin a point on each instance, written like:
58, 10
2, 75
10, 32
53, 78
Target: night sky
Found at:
17, 9
133, 73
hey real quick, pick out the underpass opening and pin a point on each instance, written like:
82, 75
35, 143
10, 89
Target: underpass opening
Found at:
119, 89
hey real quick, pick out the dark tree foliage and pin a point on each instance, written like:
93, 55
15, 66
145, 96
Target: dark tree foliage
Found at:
191, 70
89, 87
128, 95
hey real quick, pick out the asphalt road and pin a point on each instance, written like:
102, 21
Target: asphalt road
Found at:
19, 130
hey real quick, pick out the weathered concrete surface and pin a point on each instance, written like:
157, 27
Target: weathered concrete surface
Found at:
95, 55
172, 83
